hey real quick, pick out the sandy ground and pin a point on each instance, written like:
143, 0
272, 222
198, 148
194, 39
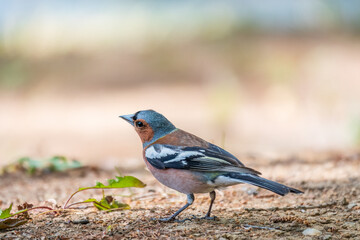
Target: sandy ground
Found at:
330, 204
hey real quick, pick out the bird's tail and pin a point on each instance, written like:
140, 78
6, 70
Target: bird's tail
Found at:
263, 183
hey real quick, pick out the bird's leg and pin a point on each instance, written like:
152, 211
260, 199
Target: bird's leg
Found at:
212, 197
190, 200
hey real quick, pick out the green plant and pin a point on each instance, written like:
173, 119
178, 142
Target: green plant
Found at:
108, 203
119, 182
7, 219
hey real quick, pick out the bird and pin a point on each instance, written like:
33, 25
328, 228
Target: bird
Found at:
189, 164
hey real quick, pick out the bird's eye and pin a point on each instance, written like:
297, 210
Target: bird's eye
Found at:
139, 124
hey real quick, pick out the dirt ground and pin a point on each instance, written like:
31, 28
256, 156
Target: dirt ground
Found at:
330, 204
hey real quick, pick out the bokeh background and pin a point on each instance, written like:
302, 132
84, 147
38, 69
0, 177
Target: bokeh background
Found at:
271, 79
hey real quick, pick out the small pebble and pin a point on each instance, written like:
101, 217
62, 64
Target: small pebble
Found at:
351, 205
51, 201
349, 224
80, 221
311, 232
180, 227
326, 237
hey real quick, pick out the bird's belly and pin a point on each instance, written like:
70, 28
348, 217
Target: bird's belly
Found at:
180, 180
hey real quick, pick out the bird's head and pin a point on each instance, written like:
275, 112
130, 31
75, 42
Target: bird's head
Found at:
150, 125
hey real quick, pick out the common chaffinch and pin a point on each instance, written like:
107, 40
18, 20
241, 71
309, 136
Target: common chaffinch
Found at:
189, 164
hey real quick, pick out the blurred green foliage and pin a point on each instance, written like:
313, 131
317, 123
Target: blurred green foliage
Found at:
355, 129
34, 166
127, 43
13, 74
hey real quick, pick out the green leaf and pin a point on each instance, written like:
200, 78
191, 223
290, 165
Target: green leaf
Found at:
90, 200
107, 203
6, 212
119, 182
6, 221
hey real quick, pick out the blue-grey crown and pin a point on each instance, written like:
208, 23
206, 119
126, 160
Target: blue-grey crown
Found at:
159, 124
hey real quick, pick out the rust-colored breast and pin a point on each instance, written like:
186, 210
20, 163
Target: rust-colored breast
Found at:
178, 179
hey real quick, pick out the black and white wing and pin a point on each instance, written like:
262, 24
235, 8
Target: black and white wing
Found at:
194, 158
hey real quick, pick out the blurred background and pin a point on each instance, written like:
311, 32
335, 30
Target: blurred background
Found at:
271, 79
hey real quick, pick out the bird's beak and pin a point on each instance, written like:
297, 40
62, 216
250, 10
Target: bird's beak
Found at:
128, 118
